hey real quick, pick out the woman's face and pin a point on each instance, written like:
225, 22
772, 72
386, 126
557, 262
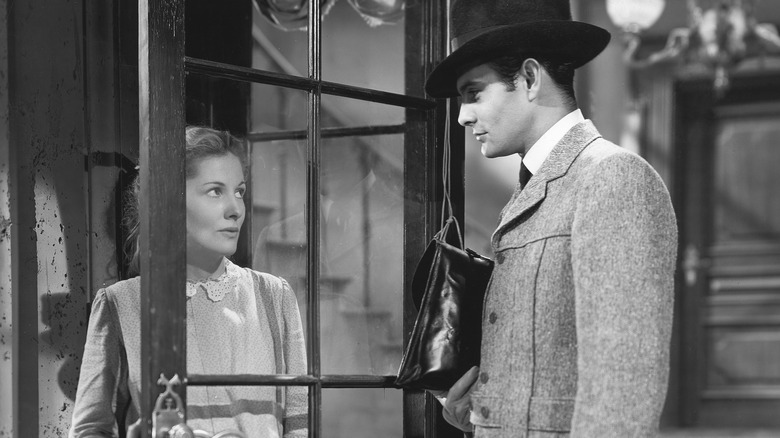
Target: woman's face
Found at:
215, 209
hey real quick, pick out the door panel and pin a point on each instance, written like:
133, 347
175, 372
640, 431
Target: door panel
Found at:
731, 261
747, 208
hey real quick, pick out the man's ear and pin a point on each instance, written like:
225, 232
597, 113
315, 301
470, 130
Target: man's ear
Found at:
531, 74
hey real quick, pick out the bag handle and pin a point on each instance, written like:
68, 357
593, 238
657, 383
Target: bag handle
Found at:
442, 234
447, 219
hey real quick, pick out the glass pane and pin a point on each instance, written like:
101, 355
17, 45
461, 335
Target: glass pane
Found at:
278, 186
228, 104
247, 34
339, 112
219, 31
357, 53
218, 103
362, 412
275, 108
268, 408
278, 212
362, 254
224, 322
275, 48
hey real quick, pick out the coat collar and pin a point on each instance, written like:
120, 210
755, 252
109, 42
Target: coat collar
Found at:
556, 165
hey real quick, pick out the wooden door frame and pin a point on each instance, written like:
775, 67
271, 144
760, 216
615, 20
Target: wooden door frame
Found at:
161, 200
694, 104
691, 111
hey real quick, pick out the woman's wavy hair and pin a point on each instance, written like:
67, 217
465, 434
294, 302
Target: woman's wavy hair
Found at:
202, 143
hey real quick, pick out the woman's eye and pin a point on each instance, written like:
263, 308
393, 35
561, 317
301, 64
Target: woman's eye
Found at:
240, 193
214, 192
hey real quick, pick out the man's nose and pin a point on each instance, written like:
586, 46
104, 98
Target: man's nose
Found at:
465, 116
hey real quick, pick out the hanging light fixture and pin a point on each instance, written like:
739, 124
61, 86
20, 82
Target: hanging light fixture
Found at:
720, 34
634, 16
294, 14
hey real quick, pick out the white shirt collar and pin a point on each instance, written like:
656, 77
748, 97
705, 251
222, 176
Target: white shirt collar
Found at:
536, 155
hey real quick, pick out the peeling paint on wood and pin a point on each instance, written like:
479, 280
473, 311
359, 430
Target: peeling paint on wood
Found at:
47, 112
6, 310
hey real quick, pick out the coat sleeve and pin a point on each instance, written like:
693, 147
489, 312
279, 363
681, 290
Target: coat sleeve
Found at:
93, 413
624, 245
296, 409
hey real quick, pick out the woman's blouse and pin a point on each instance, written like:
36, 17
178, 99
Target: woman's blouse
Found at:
244, 322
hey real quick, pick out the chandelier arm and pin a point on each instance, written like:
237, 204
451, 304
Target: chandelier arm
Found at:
676, 44
767, 34
694, 13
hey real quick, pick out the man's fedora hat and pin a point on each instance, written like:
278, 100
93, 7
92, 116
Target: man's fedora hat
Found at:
485, 29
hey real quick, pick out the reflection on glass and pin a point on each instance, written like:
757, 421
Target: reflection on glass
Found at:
361, 219
362, 41
279, 216
274, 48
279, 184
362, 412
344, 112
275, 109
362, 254
356, 53
361, 243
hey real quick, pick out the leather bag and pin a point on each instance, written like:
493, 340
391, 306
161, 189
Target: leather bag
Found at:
448, 288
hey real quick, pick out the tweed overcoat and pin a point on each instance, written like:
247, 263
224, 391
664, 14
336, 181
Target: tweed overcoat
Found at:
578, 314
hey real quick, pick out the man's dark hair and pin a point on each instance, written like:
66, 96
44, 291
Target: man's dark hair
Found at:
509, 68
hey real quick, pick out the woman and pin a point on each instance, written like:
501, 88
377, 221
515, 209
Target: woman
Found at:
239, 321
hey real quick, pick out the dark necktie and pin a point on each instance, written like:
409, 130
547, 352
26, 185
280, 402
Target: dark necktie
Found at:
525, 175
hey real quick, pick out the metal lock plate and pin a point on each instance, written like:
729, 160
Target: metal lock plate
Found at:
168, 415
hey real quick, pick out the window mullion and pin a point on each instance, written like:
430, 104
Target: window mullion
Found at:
313, 219
162, 202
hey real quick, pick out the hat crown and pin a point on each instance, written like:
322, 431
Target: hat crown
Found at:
485, 29
469, 16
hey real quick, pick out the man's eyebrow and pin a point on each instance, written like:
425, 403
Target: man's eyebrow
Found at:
467, 84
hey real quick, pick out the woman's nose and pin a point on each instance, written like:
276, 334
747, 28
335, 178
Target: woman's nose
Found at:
235, 208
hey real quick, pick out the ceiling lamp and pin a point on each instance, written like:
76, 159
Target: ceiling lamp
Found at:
634, 16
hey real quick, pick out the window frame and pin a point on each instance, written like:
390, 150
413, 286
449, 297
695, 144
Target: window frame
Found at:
162, 69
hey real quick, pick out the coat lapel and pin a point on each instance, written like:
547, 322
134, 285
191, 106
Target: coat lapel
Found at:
555, 166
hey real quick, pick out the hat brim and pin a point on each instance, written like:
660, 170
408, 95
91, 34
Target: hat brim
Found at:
573, 41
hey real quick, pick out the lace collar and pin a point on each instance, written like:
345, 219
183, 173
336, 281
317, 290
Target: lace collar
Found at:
216, 288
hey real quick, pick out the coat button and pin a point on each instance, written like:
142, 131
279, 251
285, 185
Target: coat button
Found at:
493, 317
500, 258
483, 377
485, 412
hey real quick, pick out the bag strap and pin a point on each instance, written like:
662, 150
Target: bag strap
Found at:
449, 217
445, 171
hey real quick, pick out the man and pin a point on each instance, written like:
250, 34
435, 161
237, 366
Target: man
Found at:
578, 315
